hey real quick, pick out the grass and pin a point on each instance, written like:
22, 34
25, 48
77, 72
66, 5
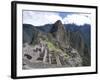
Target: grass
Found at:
53, 47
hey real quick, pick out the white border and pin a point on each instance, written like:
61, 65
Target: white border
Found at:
49, 71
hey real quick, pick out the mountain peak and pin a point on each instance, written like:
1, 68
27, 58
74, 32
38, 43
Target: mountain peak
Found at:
58, 22
57, 27
59, 33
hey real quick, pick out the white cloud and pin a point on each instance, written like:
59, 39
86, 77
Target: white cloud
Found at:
40, 18
78, 19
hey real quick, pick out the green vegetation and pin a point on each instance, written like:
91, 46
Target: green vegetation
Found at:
52, 47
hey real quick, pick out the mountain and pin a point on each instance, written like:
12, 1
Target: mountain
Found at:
62, 40
28, 32
79, 38
43, 29
84, 30
58, 32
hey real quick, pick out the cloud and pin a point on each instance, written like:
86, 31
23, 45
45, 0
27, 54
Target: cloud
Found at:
78, 19
40, 18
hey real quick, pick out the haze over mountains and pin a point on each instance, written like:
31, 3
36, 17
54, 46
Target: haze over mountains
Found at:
68, 40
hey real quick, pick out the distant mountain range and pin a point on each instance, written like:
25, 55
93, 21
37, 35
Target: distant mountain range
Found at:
67, 35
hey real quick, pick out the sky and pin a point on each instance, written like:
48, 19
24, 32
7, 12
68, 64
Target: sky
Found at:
38, 18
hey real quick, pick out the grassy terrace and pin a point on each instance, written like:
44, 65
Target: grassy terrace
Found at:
52, 46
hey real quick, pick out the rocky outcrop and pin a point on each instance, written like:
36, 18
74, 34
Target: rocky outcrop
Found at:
77, 42
59, 34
